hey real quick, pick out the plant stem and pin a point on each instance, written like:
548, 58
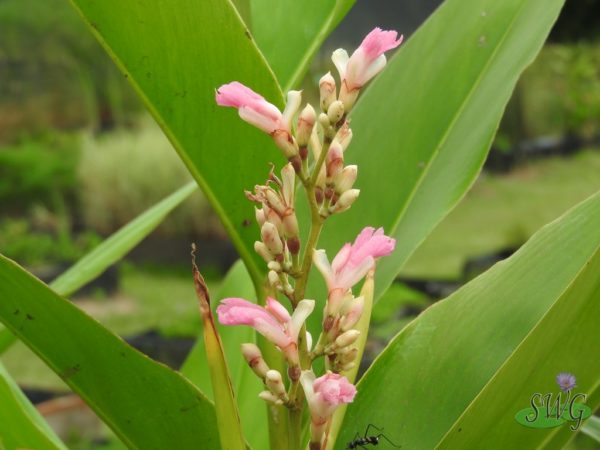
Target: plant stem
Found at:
296, 394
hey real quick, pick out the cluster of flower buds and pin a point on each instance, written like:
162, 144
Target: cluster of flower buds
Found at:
330, 188
335, 182
272, 379
280, 241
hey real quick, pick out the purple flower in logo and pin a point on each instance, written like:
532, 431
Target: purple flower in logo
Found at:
566, 381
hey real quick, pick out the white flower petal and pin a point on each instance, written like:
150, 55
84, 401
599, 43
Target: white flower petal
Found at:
340, 59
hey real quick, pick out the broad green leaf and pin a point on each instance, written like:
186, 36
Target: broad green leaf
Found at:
290, 33
470, 362
176, 54
21, 425
423, 128
110, 250
237, 283
146, 404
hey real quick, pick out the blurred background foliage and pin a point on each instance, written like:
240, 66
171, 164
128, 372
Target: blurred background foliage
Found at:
80, 157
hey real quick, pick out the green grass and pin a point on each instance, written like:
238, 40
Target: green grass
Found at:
503, 211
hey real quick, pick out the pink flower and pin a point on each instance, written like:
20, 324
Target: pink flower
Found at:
326, 393
255, 110
353, 262
367, 60
273, 321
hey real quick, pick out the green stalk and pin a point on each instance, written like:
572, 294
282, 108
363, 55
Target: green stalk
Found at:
363, 327
228, 417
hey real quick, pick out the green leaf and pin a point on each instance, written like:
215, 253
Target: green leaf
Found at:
423, 128
176, 54
592, 428
226, 408
290, 33
146, 404
469, 363
237, 283
21, 425
110, 250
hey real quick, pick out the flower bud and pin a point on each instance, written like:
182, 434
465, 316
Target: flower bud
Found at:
328, 130
269, 397
288, 189
274, 279
274, 218
348, 97
345, 179
275, 266
275, 384
347, 338
344, 136
335, 112
345, 201
306, 123
290, 225
263, 251
335, 160
351, 314
270, 236
255, 360
347, 367
285, 142
275, 202
261, 216
327, 90
293, 245
348, 357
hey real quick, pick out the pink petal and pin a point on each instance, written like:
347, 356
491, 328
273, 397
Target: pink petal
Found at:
237, 311
341, 258
236, 94
334, 389
278, 310
352, 274
273, 331
378, 42
364, 236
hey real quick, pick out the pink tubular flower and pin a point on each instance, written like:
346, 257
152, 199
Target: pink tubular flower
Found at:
366, 62
353, 262
252, 108
324, 395
273, 321
255, 110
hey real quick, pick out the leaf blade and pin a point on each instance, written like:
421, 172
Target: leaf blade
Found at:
110, 250
305, 25
475, 52
22, 426
438, 369
114, 379
175, 66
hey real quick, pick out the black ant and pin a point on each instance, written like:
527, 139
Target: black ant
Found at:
362, 441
